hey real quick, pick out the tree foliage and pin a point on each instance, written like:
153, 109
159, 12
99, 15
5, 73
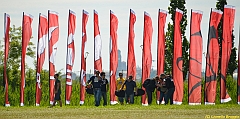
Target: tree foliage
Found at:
14, 57
180, 4
232, 65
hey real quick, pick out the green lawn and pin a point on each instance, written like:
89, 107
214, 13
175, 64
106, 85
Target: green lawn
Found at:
123, 112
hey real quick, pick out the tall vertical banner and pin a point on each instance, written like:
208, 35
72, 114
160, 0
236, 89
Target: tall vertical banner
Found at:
113, 56
97, 44
53, 35
212, 58
26, 36
70, 55
228, 22
41, 46
195, 59
162, 14
177, 59
146, 53
131, 62
6, 50
83, 59
238, 79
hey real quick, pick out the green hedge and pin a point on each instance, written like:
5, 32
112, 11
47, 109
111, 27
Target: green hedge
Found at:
29, 98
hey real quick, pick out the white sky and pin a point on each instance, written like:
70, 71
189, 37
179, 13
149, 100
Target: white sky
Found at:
121, 8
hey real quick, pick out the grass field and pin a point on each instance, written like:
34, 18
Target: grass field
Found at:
123, 112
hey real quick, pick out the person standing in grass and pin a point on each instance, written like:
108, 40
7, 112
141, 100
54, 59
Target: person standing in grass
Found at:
57, 91
104, 88
119, 84
131, 87
171, 88
96, 82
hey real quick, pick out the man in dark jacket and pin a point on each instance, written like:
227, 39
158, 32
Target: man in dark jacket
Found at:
96, 82
131, 87
171, 89
149, 85
104, 88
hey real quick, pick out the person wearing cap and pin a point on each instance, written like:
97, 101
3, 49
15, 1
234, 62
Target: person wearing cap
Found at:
104, 88
119, 84
131, 87
150, 85
96, 82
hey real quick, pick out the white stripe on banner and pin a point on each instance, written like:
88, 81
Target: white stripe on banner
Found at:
68, 102
209, 103
226, 100
69, 83
177, 103
81, 102
194, 103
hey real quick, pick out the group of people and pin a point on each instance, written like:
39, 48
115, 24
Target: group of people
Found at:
100, 86
128, 87
164, 84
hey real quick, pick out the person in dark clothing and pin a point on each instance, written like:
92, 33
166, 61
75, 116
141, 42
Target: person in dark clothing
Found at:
96, 83
162, 87
131, 87
149, 85
104, 88
171, 89
57, 91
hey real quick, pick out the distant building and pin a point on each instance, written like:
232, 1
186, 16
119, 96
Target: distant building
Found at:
121, 64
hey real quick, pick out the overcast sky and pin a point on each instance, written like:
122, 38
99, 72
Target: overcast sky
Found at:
121, 8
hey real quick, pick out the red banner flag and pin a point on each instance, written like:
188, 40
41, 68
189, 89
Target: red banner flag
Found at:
131, 62
52, 39
83, 59
26, 36
42, 39
195, 59
70, 54
212, 58
177, 59
228, 22
6, 38
113, 56
238, 79
146, 53
162, 14
97, 44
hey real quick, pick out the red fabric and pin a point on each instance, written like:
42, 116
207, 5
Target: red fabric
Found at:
70, 54
212, 58
26, 36
53, 39
177, 59
147, 55
228, 22
113, 55
6, 38
161, 45
83, 61
195, 60
131, 62
42, 39
97, 45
